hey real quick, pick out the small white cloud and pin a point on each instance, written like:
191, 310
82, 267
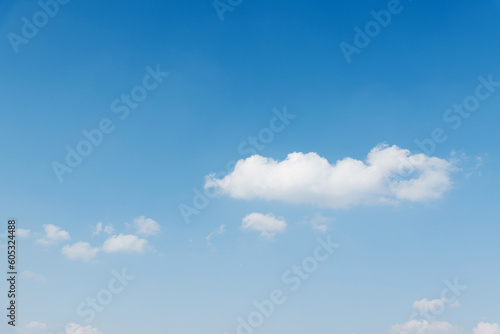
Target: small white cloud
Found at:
98, 229
35, 276
78, 329
80, 251
109, 229
35, 325
428, 305
267, 225
320, 222
23, 233
53, 235
433, 304
389, 175
425, 327
220, 230
146, 226
125, 244
487, 328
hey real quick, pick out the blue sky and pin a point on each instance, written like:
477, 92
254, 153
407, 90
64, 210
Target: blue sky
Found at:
400, 242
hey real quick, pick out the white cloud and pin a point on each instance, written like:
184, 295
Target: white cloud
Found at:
319, 222
35, 276
22, 233
220, 230
428, 305
425, 327
98, 229
268, 225
109, 229
78, 329
36, 325
309, 178
487, 328
146, 226
53, 235
433, 305
124, 244
80, 251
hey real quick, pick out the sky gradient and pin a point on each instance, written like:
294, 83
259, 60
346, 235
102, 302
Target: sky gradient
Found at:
173, 97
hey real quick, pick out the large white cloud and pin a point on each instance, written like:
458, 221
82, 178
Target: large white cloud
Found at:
487, 328
267, 225
80, 251
389, 175
53, 235
124, 243
424, 327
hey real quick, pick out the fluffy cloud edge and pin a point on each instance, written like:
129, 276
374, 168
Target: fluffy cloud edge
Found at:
53, 235
146, 226
486, 328
389, 174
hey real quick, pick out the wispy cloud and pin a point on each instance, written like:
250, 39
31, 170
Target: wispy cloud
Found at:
220, 230
319, 222
101, 228
425, 327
